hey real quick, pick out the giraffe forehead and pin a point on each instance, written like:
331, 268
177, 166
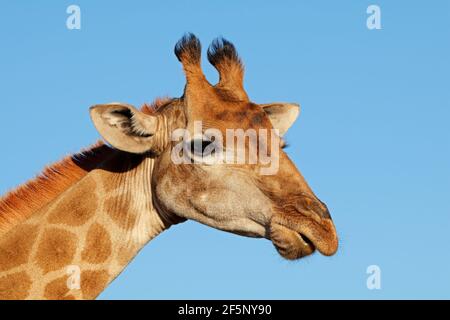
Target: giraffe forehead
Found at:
222, 115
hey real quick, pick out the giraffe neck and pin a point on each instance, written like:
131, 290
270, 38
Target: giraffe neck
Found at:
81, 241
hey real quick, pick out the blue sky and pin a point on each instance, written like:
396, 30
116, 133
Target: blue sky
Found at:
373, 139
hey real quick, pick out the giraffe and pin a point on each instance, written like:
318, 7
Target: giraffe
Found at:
72, 230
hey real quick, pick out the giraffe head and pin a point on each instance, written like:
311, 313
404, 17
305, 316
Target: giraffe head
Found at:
209, 146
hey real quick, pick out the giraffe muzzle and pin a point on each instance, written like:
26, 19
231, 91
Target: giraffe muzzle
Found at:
297, 236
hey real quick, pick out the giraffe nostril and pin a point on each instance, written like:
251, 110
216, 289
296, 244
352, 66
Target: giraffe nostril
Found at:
321, 209
312, 207
325, 214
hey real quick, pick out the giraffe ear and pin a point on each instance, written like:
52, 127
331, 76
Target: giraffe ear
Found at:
124, 127
282, 115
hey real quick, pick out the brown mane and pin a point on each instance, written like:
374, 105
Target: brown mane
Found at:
157, 105
20, 203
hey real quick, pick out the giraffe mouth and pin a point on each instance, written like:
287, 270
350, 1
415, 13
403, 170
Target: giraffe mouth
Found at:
290, 244
301, 237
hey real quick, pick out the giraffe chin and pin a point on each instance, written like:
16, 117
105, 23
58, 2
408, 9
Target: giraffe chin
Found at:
290, 244
301, 237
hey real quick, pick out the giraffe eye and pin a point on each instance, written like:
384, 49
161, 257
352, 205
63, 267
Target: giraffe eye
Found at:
199, 146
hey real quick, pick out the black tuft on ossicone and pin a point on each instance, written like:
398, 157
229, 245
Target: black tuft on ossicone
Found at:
188, 49
221, 50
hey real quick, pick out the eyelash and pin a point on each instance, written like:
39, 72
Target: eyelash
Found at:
204, 145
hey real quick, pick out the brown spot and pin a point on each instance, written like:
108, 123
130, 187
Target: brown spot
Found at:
15, 286
240, 115
58, 290
119, 210
56, 249
93, 283
78, 208
98, 245
223, 115
16, 247
258, 119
